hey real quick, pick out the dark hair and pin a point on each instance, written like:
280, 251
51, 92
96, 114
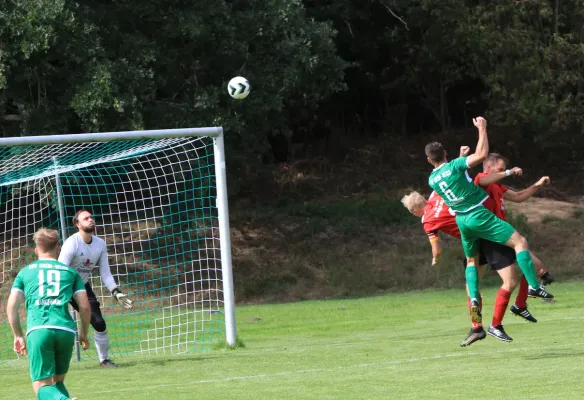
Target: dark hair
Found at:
494, 157
76, 217
435, 151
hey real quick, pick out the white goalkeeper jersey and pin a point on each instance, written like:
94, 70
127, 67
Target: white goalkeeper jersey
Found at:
85, 257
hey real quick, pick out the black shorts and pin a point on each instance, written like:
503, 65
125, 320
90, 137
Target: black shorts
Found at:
97, 320
482, 260
498, 256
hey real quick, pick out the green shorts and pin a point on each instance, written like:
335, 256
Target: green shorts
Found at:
49, 352
480, 223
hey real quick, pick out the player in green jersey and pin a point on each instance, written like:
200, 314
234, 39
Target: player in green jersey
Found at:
46, 286
452, 182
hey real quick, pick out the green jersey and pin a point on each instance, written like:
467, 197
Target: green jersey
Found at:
452, 183
48, 285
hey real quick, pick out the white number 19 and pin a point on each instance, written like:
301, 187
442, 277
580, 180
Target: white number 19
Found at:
53, 282
447, 192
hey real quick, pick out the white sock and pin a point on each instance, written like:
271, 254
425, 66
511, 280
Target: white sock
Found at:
101, 344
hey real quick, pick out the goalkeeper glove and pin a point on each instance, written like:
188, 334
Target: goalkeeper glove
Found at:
122, 298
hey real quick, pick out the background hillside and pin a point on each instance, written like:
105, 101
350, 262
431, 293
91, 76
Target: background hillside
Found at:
345, 94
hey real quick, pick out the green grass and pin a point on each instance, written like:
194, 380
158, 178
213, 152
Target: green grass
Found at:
397, 346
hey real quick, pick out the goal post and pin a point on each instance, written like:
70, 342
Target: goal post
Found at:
159, 198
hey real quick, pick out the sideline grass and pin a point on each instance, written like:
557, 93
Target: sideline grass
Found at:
398, 346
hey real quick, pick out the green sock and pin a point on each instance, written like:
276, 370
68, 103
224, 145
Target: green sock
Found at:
51, 393
62, 388
472, 280
526, 265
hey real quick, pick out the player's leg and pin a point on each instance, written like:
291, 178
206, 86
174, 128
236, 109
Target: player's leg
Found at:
544, 276
476, 331
501, 259
64, 350
520, 307
100, 335
485, 225
470, 245
41, 345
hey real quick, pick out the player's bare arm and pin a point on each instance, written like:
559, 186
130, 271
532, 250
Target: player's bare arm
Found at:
436, 250
521, 196
85, 317
482, 149
15, 299
497, 176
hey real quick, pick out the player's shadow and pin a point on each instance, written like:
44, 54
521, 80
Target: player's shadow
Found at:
555, 354
162, 362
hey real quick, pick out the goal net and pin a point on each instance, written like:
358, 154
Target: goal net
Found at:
159, 201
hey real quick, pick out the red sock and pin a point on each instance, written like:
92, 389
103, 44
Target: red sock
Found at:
501, 303
541, 272
476, 325
521, 299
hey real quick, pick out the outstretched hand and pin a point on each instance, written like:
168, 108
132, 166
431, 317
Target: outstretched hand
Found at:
516, 171
544, 180
123, 299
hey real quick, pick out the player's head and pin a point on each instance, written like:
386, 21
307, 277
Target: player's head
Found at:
415, 203
84, 221
495, 162
46, 242
435, 153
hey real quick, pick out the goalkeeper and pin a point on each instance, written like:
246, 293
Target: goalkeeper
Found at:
83, 252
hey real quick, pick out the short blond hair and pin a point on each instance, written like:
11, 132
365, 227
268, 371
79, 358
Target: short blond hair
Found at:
46, 240
413, 200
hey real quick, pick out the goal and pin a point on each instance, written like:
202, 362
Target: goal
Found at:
159, 198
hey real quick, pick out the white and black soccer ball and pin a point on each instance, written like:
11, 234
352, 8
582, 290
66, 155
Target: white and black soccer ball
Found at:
238, 87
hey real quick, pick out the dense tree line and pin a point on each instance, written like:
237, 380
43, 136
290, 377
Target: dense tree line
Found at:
320, 70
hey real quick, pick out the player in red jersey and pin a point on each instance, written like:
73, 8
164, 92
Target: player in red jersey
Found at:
437, 217
495, 169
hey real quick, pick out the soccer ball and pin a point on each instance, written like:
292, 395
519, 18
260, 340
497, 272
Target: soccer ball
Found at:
238, 88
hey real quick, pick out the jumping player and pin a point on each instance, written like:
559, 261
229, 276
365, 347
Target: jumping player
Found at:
451, 181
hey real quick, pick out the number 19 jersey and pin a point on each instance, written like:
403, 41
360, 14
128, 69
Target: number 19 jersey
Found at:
48, 285
452, 182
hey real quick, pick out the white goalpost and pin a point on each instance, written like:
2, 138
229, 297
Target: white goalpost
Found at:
159, 198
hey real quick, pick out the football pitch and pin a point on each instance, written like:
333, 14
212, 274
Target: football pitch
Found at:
395, 346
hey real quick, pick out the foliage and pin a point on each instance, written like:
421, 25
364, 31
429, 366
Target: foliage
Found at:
323, 74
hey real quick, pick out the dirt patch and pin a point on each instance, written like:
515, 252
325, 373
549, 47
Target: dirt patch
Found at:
538, 208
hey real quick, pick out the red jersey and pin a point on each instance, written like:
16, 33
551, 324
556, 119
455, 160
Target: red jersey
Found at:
495, 203
438, 217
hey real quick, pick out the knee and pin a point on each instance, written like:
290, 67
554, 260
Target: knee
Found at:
511, 283
520, 243
99, 325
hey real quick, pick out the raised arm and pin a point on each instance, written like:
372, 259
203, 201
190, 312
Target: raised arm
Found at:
482, 149
497, 176
521, 196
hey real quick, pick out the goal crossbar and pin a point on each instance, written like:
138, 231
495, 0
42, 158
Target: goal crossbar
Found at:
110, 136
